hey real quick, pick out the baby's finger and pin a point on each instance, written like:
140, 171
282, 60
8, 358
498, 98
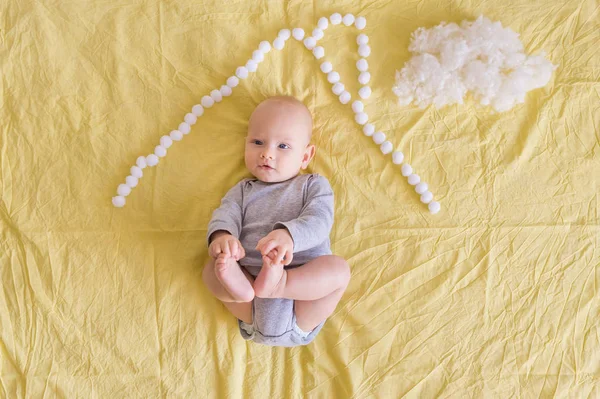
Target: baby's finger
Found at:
267, 260
272, 254
288, 257
281, 254
260, 243
270, 245
227, 249
243, 255
234, 248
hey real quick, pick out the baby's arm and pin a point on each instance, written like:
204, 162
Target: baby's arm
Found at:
225, 225
314, 224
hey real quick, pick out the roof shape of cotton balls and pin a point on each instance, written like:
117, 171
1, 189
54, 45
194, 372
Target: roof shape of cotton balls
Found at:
480, 57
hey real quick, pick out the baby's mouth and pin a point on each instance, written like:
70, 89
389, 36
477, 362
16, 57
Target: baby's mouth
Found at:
265, 167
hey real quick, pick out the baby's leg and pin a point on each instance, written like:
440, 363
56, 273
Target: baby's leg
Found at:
239, 308
316, 286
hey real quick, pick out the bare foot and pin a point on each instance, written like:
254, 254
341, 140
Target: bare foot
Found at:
230, 274
270, 282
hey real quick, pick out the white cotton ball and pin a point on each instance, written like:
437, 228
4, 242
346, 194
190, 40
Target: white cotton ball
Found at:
364, 78
360, 23
310, 43
317, 33
362, 65
141, 162
362, 39
207, 101
326, 67
361, 118
131, 181
333, 77
136, 171
190, 119
426, 197
336, 18
337, 88
397, 157
279, 43
348, 19
184, 128
364, 50
232, 81
166, 141
264, 46
258, 56
241, 72
198, 110
345, 97
364, 92
123, 190
225, 91
284, 34
421, 188
298, 33
406, 170
323, 23
387, 147
319, 52
216, 95
368, 130
434, 207
152, 160
175, 135
160, 151
413, 179
379, 137
251, 66
119, 201
358, 106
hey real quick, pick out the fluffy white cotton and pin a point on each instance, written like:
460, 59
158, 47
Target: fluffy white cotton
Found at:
323, 23
160, 151
421, 188
368, 129
310, 43
136, 171
333, 77
190, 119
362, 39
298, 33
480, 57
258, 56
397, 157
131, 181
184, 128
318, 33
264, 46
358, 106
406, 170
379, 137
175, 135
364, 50
345, 97
360, 22
284, 34
141, 162
413, 179
207, 101
279, 43
361, 118
225, 91
166, 142
198, 110
426, 197
232, 81
216, 95
118, 201
123, 190
319, 52
251, 66
338, 88
326, 67
364, 92
152, 160
241, 72
387, 147
336, 18
434, 207
348, 19
362, 65
364, 78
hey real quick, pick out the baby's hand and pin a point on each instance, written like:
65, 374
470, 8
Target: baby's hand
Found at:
278, 246
228, 245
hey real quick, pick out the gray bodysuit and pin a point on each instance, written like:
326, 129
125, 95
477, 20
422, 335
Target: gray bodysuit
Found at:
252, 209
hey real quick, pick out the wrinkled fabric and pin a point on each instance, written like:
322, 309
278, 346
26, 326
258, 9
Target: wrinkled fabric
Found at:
495, 297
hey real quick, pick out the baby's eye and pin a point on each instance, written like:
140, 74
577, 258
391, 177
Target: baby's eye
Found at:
257, 142
284, 146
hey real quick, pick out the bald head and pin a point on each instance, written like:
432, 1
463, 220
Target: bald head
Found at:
295, 113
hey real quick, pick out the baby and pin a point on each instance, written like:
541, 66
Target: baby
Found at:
277, 227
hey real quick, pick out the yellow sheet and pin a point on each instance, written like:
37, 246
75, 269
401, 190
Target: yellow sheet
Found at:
495, 297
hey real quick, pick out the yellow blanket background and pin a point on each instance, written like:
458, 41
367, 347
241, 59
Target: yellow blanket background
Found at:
496, 296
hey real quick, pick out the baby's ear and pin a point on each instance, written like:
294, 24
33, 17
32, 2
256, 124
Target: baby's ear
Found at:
309, 154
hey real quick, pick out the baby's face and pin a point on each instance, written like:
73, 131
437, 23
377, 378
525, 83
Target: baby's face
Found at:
277, 145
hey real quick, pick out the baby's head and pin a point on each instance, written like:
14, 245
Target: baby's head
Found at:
278, 141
